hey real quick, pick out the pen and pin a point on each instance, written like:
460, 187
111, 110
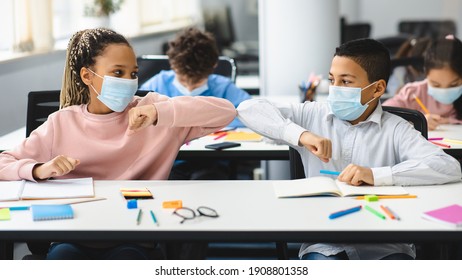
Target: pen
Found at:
387, 211
440, 144
17, 208
391, 196
328, 172
154, 218
421, 104
344, 212
138, 218
375, 212
452, 141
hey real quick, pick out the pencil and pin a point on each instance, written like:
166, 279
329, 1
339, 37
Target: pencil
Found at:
394, 214
421, 104
440, 144
221, 136
391, 196
138, 218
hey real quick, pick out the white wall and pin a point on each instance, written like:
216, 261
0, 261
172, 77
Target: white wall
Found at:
44, 72
385, 15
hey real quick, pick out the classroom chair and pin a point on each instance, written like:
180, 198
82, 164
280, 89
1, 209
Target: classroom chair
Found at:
150, 65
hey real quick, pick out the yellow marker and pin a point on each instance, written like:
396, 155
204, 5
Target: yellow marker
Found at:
421, 104
390, 196
452, 141
172, 204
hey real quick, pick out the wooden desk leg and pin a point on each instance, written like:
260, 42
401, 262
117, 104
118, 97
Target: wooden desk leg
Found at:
6, 250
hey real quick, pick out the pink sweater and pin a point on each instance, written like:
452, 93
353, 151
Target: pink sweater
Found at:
103, 147
405, 98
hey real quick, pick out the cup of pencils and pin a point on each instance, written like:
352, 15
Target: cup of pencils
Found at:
308, 88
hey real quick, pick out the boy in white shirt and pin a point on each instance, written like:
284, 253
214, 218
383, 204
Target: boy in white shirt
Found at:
350, 133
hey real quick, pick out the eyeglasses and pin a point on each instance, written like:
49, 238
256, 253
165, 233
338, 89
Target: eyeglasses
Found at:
189, 214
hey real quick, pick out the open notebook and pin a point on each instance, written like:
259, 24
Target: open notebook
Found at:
49, 189
325, 186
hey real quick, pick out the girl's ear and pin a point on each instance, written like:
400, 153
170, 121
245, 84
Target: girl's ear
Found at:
380, 88
86, 75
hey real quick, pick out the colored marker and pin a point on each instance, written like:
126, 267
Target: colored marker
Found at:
18, 208
452, 141
375, 212
421, 104
390, 196
440, 144
328, 172
435, 138
154, 218
394, 214
344, 212
138, 218
221, 136
388, 212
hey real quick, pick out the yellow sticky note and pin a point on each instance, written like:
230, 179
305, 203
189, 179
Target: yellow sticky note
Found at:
243, 136
5, 214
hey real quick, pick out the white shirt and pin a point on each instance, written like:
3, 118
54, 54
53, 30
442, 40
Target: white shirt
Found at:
396, 152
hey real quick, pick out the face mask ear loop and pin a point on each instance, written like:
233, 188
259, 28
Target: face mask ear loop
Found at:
94, 73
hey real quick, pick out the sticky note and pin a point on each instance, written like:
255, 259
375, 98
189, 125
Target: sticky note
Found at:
371, 197
172, 204
132, 204
5, 214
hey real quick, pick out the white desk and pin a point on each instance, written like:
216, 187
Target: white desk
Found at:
12, 139
450, 131
249, 211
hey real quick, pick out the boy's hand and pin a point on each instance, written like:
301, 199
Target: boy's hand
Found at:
319, 146
357, 175
141, 117
59, 166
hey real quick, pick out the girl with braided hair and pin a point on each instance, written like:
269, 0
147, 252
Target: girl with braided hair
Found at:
106, 132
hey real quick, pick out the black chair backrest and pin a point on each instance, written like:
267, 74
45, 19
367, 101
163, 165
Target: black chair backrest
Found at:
432, 28
40, 104
415, 117
150, 65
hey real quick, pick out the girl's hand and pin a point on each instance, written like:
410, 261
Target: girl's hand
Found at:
59, 166
434, 120
356, 175
319, 146
141, 117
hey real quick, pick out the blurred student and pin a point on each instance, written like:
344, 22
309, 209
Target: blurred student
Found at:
441, 91
103, 131
352, 134
193, 56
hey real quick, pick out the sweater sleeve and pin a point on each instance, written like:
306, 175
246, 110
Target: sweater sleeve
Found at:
18, 163
202, 115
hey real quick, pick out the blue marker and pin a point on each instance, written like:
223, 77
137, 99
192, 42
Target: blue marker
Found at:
17, 208
328, 172
344, 212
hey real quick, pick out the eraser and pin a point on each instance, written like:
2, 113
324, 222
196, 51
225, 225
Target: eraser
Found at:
132, 204
371, 197
172, 204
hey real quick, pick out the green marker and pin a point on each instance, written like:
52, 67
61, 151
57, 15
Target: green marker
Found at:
375, 212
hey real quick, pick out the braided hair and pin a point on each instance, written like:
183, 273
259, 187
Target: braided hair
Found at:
83, 47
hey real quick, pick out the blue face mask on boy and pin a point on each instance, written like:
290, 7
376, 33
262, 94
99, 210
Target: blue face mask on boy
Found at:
116, 93
345, 102
445, 95
185, 91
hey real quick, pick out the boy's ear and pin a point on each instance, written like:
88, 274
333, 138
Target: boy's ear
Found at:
85, 75
380, 88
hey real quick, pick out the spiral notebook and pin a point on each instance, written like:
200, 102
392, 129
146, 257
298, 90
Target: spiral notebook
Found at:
52, 212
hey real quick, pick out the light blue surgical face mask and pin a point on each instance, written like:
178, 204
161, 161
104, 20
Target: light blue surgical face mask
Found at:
445, 95
185, 91
345, 102
116, 93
